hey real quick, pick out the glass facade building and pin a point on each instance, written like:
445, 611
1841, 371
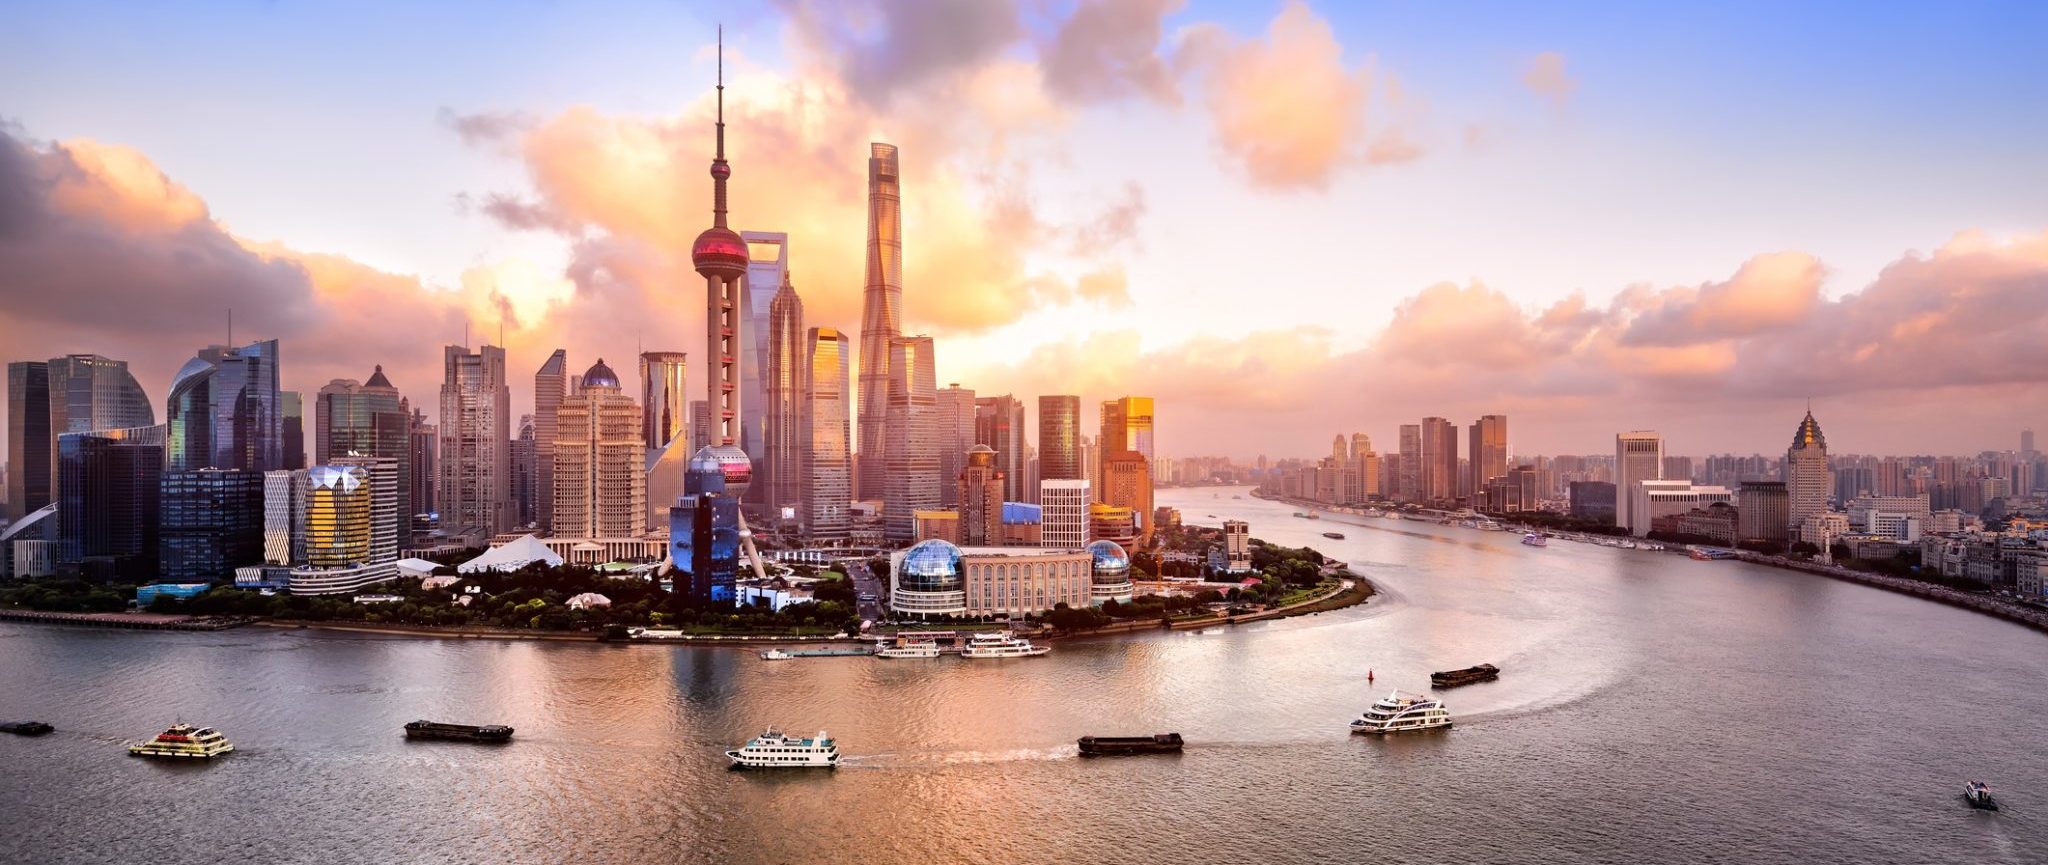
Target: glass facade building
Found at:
783, 403
704, 533
881, 321
31, 440
913, 463
1059, 437
369, 419
767, 279
108, 502
212, 523
826, 444
225, 410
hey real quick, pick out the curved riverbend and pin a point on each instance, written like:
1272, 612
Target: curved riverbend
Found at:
1651, 708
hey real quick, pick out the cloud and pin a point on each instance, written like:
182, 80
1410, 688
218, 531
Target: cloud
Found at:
1110, 49
1545, 77
1767, 292
486, 127
881, 48
1287, 109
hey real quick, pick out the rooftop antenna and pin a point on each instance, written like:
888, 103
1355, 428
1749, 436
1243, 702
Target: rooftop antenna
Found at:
465, 333
231, 327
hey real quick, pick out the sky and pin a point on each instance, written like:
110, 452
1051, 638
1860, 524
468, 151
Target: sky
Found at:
1282, 220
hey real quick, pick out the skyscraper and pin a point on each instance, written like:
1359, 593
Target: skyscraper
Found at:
89, 392
1059, 437
212, 523
294, 407
109, 489
664, 430
31, 440
352, 526
913, 453
955, 427
1127, 483
524, 468
550, 385
767, 271
881, 314
979, 495
600, 464
1487, 442
366, 419
1438, 473
783, 418
284, 516
425, 458
999, 423
827, 451
1063, 513
476, 443
226, 411
1807, 479
1408, 481
1638, 456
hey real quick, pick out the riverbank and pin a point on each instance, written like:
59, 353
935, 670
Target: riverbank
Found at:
1349, 592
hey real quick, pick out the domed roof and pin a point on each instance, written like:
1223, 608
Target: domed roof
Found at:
733, 466
377, 378
1110, 559
719, 250
600, 375
931, 566
1808, 434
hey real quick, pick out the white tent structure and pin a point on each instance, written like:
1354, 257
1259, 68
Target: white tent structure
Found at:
514, 555
587, 600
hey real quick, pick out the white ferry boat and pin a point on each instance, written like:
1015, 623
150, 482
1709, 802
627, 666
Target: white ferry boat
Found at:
912, 649
1398, 712
776, 655
773, 750
1536, 539
181, 741
1001, 645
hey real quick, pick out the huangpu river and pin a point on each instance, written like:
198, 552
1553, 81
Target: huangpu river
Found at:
1651, 708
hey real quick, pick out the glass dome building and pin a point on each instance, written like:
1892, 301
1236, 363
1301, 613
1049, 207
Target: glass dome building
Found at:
1112, 573
931, 566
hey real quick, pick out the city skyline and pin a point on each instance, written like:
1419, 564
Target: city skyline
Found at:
1056, 243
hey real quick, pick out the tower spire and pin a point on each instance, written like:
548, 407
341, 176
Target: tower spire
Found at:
719, 169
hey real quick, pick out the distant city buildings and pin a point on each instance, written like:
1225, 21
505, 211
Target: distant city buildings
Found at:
550, 386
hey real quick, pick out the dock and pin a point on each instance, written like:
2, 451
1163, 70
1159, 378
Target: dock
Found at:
130, 621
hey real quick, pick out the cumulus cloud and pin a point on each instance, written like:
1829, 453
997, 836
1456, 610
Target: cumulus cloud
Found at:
1110, 49
883, 47
1545, 77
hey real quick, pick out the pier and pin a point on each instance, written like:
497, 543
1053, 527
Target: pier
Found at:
130, 621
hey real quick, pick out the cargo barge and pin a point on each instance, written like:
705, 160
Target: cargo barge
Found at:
1467, 676
1110, 746
458, 732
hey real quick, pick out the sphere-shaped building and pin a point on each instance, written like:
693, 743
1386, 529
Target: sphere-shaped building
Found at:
1111, 575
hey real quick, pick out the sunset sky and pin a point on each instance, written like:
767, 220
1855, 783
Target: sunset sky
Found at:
1283, 220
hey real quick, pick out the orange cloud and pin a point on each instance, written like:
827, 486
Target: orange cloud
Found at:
119, 185
1286, 108
1545, 76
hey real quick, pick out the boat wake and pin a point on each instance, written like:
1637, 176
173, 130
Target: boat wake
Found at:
894, 760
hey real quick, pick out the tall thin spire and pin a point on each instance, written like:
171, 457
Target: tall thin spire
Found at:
719, 169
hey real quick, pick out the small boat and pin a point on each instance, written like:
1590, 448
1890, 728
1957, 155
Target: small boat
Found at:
776, 655
1114, 746
1335, 536
773, 750
1001, 645
911, 649
458, 732
1315, 516
183, 741
1400, 713
25, 728
1536, 539
1978, 794
1467, 676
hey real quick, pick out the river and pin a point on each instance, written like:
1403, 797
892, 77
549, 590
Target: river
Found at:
1651, 709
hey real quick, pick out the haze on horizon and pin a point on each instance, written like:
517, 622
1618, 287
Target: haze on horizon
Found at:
1282, 220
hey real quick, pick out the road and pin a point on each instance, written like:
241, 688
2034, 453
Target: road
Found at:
866, 586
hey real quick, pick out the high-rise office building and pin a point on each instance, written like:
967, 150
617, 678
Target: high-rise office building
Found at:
1063, 513
550, 386
664, 430
284, 517
293, 405
1237, 546
913, 452
1438, 473
424, 459
827, 437
368, 419
212, 524
226, 411
525, 466
783, 418
600, 462
1127, 426
1059, 437
979, 497
351, 526
89, 392
1763, 512
956, 427
767, 271
999, 423
476, 443
1487, 443
1807, 478
31, 439
1127, 483
881, 315
109, 489
2027, 443
1408, 475
1638, 456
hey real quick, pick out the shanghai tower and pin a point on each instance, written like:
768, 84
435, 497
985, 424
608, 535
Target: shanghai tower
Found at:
881, 320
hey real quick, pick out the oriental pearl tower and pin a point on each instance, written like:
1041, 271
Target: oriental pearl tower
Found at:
720, 256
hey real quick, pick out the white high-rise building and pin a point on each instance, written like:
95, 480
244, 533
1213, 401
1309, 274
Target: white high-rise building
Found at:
476, 444
600, 461
1638, 456
1063, 513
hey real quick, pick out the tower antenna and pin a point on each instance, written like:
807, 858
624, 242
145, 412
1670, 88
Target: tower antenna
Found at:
231, 327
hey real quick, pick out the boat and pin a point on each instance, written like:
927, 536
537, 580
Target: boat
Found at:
1399, 713
1467, 676
1335, 536
183, 741
911, 649
1315, 516
1536, 539
1001, 645
773, 750
1114, 746
25, 728
1978, 794
458, 732
776, 655
1301, 515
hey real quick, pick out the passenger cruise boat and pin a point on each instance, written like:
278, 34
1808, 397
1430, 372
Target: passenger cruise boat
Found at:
182, 741
1398, 712
912, 649
773, 750
1001, 645
776, 655
1536, 539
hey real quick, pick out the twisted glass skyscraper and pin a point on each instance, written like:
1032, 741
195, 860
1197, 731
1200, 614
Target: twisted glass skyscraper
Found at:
881, 321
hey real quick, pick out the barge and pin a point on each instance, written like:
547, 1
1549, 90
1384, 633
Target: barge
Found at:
458, 732
1467, 676
1110, 746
